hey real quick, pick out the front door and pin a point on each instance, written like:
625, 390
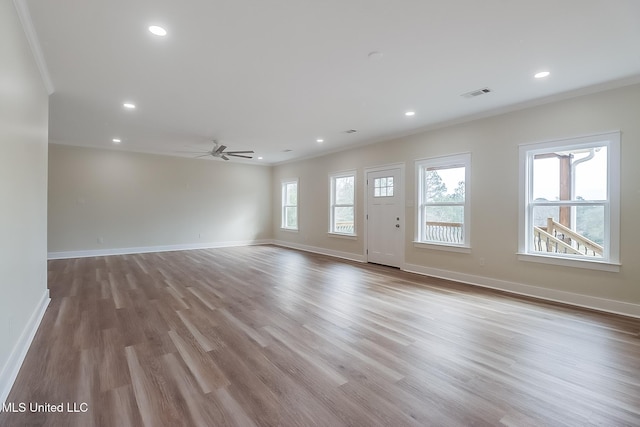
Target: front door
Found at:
385, 217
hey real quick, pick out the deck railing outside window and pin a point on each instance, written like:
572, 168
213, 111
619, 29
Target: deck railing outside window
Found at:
445, 232
557, 238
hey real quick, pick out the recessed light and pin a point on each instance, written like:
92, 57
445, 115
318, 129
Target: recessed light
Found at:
260, 158
129, 105
410, 113
157, 31
541, 74
116, 140
319, 140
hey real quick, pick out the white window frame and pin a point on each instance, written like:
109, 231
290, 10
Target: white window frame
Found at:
611, 256
333, 205
443, 162
283, 216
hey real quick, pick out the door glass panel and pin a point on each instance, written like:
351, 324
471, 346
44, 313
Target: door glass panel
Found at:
383, 187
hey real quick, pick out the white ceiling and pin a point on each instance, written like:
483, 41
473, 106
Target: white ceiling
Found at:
276, 75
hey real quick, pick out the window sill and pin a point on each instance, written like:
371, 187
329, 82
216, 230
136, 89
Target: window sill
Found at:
570, 262
443, 247
343, 236
290, 230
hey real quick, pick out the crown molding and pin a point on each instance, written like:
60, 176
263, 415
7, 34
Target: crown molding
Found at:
34, 42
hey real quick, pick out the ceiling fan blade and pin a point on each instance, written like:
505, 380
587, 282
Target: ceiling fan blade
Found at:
224, 157
193, 152
239, 152
238, 155
220, 149
203, 155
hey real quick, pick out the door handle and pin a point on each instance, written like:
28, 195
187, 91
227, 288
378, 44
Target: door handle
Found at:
397, 225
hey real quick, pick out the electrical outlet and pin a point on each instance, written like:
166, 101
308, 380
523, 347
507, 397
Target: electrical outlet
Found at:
481, 261
100, 240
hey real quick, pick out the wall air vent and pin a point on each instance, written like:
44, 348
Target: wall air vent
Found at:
475, 93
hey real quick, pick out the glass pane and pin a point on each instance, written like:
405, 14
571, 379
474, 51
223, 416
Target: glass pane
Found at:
444, 224
383, 187
292, 194
291, 217
590, 223
546, 178
573, 230
542, 213
343, 220
344, 190
579, 174
449, 214
445, 185
591, 175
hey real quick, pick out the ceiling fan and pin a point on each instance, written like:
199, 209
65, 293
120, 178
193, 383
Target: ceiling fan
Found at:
218, 151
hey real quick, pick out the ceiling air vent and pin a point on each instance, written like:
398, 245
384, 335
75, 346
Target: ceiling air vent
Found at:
475, 93
350, 131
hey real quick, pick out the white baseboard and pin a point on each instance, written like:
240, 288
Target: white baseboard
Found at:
595, 303
10, 370
322, 251
149, 249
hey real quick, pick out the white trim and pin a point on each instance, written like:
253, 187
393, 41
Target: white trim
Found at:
10, 370
332, 177
34, 43
495, 112
569, 142
150, 249
586, 301
283, 185
443, 247
322, 251
343, 236
589, 264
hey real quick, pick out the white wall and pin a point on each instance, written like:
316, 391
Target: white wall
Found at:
493, 143
135, 202
23, 196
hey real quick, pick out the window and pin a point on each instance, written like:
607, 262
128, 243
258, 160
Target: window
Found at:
290, 205
443, 201
343, 194
569, 203
383, 187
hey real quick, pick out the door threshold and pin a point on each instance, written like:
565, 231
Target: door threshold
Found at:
383, 265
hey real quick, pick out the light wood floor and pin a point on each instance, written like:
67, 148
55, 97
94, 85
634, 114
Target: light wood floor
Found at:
268, 336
